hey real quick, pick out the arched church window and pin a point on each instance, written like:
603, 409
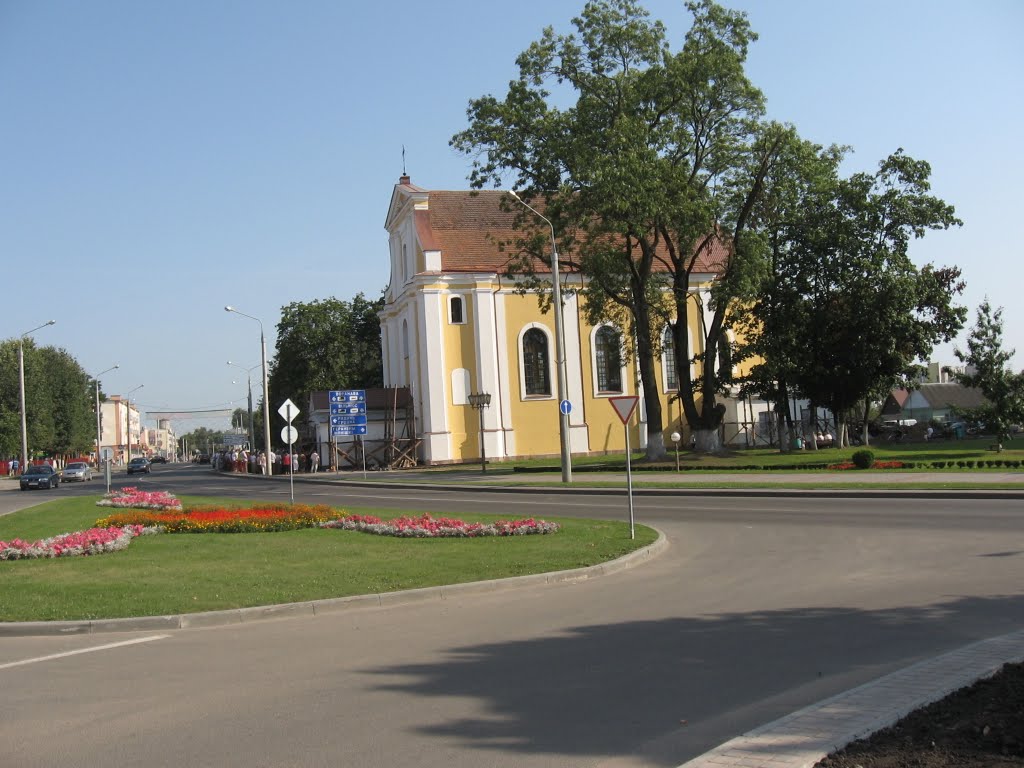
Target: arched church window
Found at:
536, 370
608, 359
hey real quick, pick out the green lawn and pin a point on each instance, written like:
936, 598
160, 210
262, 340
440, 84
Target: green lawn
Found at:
184, 573
972, 449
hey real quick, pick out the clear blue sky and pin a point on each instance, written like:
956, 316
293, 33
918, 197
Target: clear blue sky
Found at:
161, 160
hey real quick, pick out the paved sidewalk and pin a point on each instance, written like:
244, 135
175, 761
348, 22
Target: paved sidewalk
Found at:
803, 738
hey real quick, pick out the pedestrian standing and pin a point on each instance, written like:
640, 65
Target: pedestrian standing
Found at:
314, 461
286, 463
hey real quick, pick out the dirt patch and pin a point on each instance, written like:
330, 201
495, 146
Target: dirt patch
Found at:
980, 726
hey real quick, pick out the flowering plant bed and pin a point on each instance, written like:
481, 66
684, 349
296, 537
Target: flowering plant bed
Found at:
94, 541
874, 465
130, 497
427, 527
266, 518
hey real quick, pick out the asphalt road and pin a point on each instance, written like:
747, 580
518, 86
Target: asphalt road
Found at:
757, 608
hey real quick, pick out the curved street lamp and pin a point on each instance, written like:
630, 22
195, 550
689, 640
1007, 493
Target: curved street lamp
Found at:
556, 298
21, 391
96, 378
266, 385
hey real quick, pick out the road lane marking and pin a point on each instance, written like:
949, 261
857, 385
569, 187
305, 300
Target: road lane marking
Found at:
106, 647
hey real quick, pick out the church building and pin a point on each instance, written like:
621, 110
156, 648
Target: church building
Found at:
453, 326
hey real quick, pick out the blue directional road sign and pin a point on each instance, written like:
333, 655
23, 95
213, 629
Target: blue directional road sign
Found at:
341, 409
565, 407
352, 429
348, 420
347, 396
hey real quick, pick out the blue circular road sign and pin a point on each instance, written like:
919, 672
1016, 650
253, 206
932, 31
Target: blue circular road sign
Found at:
565, 407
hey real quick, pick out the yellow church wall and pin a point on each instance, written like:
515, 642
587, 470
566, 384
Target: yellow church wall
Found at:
459, 344
535, 419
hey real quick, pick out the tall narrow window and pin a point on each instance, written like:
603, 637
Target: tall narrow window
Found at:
536, 370
456, 310
608, 359
668, 356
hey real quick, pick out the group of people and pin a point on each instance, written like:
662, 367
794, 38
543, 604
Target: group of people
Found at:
258, 462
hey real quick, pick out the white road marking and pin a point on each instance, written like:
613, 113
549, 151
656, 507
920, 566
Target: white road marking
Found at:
106, 647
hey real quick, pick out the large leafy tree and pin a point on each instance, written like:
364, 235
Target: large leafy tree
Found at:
326, 344
658, 150
990, 372
58, 401
847, 314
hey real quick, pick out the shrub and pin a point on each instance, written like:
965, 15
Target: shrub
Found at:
863, 459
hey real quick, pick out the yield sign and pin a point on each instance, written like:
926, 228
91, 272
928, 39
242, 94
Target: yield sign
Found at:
288, 410
624, 406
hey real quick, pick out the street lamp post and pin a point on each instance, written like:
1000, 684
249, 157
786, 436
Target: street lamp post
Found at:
481, 400
96, 378
676, 437
248, 376
21, 392
128, 425
556, 298
266, 385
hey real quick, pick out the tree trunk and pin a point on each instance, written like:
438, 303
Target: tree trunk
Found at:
655, 450
708, 441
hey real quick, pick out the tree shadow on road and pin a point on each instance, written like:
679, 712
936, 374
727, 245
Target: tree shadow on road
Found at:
612, 690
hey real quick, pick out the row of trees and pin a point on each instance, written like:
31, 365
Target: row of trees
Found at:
59, 402
663, 160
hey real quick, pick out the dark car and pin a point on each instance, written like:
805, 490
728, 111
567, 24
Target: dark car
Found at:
157, 460
40, 476
139, 465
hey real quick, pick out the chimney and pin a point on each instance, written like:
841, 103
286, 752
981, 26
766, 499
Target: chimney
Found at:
404, 180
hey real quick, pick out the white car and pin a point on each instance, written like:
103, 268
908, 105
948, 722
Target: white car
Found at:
77, 470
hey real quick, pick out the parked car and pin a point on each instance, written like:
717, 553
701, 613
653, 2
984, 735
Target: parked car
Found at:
40, 476
76, 471
140, 464
157, 460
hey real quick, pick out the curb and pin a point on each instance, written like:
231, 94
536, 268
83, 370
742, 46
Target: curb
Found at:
803, 738
312, 608
808, 493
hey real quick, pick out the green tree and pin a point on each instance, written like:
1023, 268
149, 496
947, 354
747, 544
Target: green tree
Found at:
853, 315
658, 150
59, 411
990, 372
70, 403
326, 344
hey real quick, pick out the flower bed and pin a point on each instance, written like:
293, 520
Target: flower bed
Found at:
264, 519
874, 465
427, 527
94, 541
130, 497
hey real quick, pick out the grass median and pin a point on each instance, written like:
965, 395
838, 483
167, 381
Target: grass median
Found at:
187, 573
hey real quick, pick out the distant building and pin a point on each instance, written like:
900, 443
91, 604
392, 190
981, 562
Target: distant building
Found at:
932, 402
120, 429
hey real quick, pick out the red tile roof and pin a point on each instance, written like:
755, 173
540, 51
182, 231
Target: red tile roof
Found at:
467, 228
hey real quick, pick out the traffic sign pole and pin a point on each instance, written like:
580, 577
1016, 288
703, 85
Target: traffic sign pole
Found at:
624, 407
291, 461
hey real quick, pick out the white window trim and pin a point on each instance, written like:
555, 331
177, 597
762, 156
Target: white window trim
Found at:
522, 367
465, 308
623, 377
665, 388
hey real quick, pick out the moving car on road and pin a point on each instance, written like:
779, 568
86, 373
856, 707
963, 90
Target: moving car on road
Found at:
157, 460
39, 476
76, 471
140, 464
